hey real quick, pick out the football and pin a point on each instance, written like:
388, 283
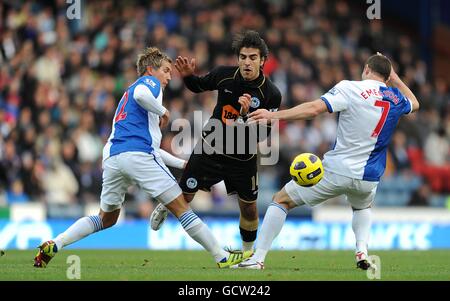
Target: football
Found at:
306, 170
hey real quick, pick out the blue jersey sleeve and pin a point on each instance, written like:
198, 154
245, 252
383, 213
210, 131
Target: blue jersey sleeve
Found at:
403, 102
396, 97
406, 104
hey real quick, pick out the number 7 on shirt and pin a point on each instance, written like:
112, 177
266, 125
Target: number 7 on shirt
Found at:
385, 106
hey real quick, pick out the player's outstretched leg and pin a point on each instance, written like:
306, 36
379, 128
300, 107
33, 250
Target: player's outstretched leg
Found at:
47, 250
160, 213
272, 224
158, 216
80, 229
361, 223
199, 232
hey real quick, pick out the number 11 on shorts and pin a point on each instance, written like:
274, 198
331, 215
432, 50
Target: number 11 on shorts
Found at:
254, 182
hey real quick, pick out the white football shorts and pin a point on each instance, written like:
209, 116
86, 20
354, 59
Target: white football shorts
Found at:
145, 170
360, 194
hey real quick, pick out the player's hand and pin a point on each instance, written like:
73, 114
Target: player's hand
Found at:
184, 66
260, 116
184, 164
393, 77
164, 120
245, 101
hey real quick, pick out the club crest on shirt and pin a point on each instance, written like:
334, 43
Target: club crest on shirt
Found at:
255, 102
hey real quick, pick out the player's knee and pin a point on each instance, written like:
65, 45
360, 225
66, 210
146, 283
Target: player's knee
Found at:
108, 221
277, 197
178, 206
188, 197
282, 198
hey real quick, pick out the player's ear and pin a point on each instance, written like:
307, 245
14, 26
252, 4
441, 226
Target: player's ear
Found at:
263, 61
150, 70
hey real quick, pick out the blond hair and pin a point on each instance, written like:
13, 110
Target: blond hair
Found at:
151, 56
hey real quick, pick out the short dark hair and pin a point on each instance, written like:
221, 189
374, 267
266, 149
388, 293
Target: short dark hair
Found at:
250, 39
380, 64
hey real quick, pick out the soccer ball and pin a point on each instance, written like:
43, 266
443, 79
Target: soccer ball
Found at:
306, 170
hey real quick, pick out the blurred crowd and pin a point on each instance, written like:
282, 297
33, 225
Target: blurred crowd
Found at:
60, 81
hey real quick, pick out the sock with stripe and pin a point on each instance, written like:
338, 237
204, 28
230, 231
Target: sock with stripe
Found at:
199, 232
272, 224
80, 229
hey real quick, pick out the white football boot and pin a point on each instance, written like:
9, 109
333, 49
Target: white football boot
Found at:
362, 261
250, 264
158, 216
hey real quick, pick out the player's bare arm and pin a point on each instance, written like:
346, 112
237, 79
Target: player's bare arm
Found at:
171, 160
307, 110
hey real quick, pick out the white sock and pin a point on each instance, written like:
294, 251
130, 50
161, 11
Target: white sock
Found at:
247, 245
80, 229
196, 229
362, 220
272, 224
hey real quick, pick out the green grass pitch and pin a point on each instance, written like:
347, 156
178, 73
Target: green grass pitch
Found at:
198, 265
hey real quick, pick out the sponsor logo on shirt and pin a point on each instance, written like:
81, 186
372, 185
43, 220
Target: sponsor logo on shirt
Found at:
150, 82
229, 114
333, 91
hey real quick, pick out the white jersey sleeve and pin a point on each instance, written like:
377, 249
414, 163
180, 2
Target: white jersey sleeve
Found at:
337, 99
144, 97
171, 160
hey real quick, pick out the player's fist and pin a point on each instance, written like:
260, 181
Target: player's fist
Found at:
164, 119
184, 66
245, 101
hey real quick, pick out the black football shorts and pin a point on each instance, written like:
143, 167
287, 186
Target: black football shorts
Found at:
203, 171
